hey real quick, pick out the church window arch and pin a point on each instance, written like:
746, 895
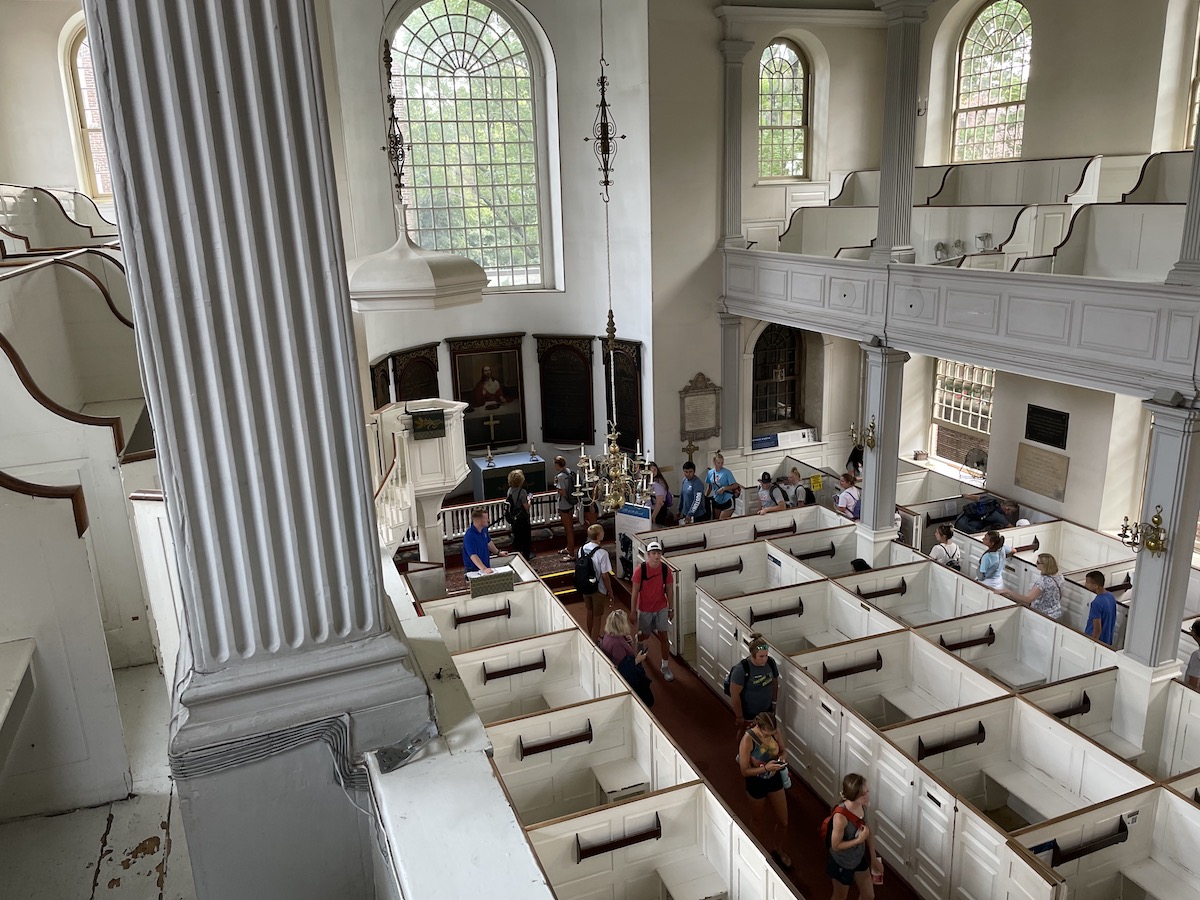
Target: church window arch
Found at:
469, 82
84, 112
784, 103
993, 76
777, 395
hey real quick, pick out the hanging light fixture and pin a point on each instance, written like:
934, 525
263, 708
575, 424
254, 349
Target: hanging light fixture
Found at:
616, 477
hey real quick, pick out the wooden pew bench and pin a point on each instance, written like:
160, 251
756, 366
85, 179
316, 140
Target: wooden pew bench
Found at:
1049, 800
1016, 674
913, 704
916, 616
1126, 750
619, 779
692, 879
16, 689
1158, 881
827, 638
564, 696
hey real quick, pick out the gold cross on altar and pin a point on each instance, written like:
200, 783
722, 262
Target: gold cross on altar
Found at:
491, 422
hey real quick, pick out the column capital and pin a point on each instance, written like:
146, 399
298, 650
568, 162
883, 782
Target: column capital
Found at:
904, 10
1174, 416
735, 51
729, 320
888, 356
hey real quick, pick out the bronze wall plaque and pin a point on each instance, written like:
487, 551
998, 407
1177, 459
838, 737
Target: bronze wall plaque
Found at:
1046, 426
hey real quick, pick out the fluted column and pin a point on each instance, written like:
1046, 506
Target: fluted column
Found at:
1172, 482
893, 241
734, 53
731, 371
885, 383
215, 119
1187, 270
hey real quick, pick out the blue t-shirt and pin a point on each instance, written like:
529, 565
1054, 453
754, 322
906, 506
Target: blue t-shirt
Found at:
691, 497
724, 478
476, 542
1104, 608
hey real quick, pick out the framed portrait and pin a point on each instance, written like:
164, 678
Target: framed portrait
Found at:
488, 377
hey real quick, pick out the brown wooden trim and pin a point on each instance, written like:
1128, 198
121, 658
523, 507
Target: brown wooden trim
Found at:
771, 532
1082, 708
62, 209
1142, 173
978, 737
46, 262
139, 456
1082, 175
874, 665
40, 396
16, 237
982, 641
653, 833
1059, 857
73, 492
505, 611
718, 570
579, 737
797, 610
901, 589
701, 544
1035, 545
1079, 212
816, 554
540, 665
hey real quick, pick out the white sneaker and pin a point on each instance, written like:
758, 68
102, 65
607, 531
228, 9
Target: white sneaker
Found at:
667, 673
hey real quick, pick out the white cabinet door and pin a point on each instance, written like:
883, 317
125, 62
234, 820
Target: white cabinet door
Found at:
891, 781
858, 744
824, 729
795, 710
932, 837
707, 647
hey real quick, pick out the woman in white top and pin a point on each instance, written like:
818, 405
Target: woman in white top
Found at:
946, 551
848, 501
1046, 594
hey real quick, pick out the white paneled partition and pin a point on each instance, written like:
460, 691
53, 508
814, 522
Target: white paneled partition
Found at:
922, 592
466, 622
1181, 740
1098, 705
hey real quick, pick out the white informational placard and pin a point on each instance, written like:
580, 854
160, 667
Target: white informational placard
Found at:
630, 519
774, 571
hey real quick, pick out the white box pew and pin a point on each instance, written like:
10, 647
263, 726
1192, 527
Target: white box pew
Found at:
83, 209
986, 862
591, 754
1164, 179
16, 689
927, 515
924, 485
1143, 846
535, 674
1073, 179
823, 230
681, 842
38, 216
919, 593
1019, 647
1095, 705
826, 494
728, 572
828, 551
1008, 753
467, 623
1180, 749
955, 226
892, 678
738, 530
1188, 785
1126, 241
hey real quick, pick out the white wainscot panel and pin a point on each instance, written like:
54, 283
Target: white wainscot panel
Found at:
1040, 318
809, 289
772, 282
849, 295
972, 311
1128, 331
917, 303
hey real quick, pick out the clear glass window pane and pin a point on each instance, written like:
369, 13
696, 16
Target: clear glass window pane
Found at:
993, 74
782, 111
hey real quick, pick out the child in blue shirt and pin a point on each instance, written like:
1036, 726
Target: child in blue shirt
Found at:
1102, 613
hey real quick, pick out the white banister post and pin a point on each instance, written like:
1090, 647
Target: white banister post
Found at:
1187, 270
734, 53
893, 241
731, 372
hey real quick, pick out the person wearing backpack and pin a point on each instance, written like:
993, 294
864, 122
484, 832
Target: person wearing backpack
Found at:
516, 513
849, 501
852, 858
653, 603
753, 683
799, 494
946, 551
771, 497
661, 514
592, 578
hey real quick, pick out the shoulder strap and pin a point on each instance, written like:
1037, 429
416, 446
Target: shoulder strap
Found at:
774, 668
746, 668
858, 823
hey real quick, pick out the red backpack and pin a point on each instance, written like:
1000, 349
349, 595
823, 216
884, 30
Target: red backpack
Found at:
828, 823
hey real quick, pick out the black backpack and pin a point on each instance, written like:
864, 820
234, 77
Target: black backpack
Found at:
745, 664
514, 511
586, 580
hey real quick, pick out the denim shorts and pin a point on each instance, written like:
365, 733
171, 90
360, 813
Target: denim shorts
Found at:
653, 622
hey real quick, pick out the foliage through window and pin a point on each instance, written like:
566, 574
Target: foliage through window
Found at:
778, 361
993, 74
962, 408
782, 112
1189, 139
465, 90
87, 109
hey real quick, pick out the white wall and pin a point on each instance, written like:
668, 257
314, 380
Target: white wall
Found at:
35, 139
1100, 442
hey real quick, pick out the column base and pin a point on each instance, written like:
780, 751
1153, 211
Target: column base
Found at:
1186, 272
1143, 701
873, 546
884, 256
732, 242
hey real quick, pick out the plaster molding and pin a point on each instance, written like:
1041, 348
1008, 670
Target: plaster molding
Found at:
832, 18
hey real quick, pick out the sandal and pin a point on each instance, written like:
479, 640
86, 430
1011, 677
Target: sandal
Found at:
785, 861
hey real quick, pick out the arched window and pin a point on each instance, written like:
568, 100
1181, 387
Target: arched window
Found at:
783, 112
1189, 139
778, 364
467, 91
87, 120
993, 73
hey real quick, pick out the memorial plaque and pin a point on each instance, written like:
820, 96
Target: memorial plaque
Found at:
565, 370
699, 409
1042, 471
628, 379
1046, 426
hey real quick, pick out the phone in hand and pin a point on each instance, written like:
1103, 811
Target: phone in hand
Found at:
642, 648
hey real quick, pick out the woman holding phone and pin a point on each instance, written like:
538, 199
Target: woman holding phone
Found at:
763, 760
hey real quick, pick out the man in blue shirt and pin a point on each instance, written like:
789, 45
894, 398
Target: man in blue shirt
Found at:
1102, 613
692, 507
478, 546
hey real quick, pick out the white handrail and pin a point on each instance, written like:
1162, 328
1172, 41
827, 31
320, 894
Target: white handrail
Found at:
456, 519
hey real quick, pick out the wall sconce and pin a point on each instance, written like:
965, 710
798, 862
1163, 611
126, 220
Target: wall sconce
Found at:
922, 105
866, 437
983, 240
1145, 535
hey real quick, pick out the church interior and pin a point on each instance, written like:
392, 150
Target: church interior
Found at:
290, 288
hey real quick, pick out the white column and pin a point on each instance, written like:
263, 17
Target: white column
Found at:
885, 383
732, 238
731, 391
1172, 482
893, 241
1187, 270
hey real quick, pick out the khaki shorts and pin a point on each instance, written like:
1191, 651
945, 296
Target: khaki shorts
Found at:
598, 603
653, 622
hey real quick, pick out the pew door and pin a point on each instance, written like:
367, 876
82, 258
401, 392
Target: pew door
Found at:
932, 837
797, 695
891, 779
824, 728
708, 650
858, 743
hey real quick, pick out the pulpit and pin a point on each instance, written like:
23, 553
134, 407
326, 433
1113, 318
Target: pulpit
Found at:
491, 482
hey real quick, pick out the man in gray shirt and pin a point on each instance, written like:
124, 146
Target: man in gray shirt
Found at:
565, 485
